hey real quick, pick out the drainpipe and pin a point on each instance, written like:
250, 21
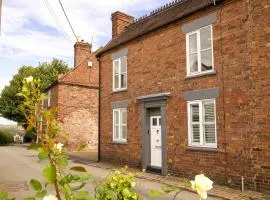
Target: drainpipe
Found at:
243, 184
99, 92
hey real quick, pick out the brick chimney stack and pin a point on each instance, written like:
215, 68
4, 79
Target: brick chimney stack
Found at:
119, 22
82, 51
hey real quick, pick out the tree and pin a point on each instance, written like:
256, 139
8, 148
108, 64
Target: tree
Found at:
46, 72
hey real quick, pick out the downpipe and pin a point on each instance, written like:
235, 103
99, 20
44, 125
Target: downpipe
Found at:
243, 184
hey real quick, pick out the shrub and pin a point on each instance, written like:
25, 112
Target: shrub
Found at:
5, 138
29, 136
118, 185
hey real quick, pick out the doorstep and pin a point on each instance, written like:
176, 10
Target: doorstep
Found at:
218, 190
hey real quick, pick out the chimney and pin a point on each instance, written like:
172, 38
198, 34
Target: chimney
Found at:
82, 51
119, 22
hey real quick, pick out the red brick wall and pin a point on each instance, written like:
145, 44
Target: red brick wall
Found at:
119, 22
78, 114
157, 63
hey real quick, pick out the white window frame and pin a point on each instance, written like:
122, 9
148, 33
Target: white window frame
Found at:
49, 98
198, 31
120, 139
202, 142
119, 78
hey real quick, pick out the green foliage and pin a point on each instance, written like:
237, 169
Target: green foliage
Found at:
4, 195
5, 138
118, 186
30, 136
36, 185
49, 173
46, 72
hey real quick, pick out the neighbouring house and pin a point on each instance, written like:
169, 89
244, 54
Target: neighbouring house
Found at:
186, 90
75, 95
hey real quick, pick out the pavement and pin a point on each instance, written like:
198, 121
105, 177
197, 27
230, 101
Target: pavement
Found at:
18, 165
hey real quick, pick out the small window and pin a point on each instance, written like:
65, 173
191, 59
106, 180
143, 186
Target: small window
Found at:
199, 45
120, 73
49, 98
120, 125
202, 123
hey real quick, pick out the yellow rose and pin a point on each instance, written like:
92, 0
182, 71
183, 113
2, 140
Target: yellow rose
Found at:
29, 79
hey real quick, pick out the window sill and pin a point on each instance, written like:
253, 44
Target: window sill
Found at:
206, 149
122, 90
201, 74
119, 142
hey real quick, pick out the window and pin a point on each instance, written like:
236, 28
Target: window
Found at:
120, 73
49, 98
120, 125
199, 45
202, 123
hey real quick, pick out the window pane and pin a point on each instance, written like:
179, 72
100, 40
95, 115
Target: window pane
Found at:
195, 113
124, 116
196, 133
209, 112
123, 64
209, 131
116, 81
116, 117
116, 67
193, 43
206, 59
193, 63
124, 132
116, 132
123, 80
154, 122
206, 41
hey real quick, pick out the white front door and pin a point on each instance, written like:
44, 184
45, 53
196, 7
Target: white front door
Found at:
155, 139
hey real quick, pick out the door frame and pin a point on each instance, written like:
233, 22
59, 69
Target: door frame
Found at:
146, 103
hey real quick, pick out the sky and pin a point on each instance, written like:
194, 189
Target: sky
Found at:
36, 31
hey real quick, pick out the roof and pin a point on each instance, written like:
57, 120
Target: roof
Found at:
158, 18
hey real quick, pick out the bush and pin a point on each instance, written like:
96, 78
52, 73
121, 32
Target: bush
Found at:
5, 138
29, 136
118, 185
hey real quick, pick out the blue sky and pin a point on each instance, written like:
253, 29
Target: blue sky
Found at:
30, 34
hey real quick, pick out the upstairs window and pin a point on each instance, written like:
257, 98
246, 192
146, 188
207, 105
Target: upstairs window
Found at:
202, 123
199, 45
120, 74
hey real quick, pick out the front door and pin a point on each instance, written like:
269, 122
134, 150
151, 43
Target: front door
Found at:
155, 139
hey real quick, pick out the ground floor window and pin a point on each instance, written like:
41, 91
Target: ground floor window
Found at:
120, 125
202, 123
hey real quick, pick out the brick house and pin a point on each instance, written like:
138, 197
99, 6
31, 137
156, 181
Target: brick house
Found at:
75, 95
186, 90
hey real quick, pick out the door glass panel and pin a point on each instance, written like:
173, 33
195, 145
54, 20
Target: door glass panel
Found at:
154, 121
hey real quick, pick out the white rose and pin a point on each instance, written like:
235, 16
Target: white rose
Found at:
58, 147
202, 184
50, 197
29, 79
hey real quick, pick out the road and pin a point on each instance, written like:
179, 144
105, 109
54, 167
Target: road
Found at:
18, 165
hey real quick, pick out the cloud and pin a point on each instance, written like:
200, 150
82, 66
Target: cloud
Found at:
30, 32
